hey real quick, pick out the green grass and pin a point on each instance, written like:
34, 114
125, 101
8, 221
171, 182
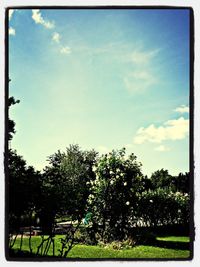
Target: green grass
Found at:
86, 251
82, 251
174, 238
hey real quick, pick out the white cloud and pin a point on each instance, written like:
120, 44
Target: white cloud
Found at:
10, 13
11, 31
139, 80
65, 50
162, 148
182, 109
142, 57
56, 37
171, 130
37, 17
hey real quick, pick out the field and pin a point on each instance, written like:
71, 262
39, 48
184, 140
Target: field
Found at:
170, 247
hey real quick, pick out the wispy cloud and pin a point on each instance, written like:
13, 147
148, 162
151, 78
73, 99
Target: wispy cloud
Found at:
182, 109
139, 80
56, 37
142, 57
162, 148
170, 130
37, 17
11, 31
65, 50
140, 76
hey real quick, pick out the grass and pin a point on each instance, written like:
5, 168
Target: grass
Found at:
91, 252
83, 251
174, 238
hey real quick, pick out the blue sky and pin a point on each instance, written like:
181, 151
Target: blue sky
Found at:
104, 79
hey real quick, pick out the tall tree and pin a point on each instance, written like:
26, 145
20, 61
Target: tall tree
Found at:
65, 186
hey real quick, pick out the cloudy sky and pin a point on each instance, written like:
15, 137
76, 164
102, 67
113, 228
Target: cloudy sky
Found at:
104, 79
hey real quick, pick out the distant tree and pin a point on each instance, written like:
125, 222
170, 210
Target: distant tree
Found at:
163, 207
182, 182
165, 200
161, 179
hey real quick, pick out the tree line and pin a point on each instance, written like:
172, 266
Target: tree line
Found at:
110, 187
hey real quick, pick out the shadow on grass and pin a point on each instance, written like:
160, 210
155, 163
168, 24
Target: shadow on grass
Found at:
147, 236
172, 244
17, 254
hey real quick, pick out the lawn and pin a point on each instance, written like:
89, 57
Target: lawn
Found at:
91, 252
82, 251
174, 238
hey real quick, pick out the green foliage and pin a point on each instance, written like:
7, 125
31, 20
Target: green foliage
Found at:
65, 185
119, 245
161, 179
181, 182
113, 194
84, 236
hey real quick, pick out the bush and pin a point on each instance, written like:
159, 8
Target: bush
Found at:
85, 235
118, 245
113, 195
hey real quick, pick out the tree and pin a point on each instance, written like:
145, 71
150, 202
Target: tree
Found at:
161, 179
65, 189
65, 183
23, 191
182, 182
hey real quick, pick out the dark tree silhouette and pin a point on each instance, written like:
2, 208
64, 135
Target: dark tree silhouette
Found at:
11, 123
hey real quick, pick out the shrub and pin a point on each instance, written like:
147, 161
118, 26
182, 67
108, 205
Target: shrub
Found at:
84, 235
113, 195
118, 245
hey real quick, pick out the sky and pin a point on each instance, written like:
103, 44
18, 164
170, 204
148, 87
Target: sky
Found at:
103, 79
